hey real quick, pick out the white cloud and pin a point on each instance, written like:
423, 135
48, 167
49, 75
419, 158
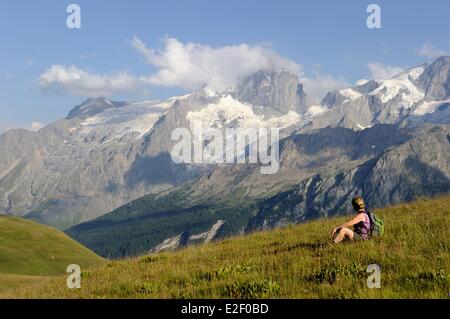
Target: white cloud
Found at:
186, 65
429, 51
192, 65
379, 71
72, 80
36, 126
319, 85
361, 82
30, 61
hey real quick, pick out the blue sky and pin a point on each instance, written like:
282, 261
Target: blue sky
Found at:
329, 40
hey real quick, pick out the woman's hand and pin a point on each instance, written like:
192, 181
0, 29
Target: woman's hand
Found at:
335, 231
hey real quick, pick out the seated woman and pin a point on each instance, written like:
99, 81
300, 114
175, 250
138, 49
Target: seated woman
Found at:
360, 223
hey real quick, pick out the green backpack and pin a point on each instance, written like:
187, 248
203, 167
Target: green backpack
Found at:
376, 224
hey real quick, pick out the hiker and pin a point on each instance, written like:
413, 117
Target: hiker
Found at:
361, 224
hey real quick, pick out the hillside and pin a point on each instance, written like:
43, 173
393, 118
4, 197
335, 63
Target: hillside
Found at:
143, 224
296, 261
29, 250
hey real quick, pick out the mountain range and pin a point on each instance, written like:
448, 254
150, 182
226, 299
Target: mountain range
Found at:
105, 174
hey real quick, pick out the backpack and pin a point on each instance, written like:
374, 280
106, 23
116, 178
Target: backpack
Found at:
376, 224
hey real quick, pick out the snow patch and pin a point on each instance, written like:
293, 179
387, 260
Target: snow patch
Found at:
350, 94
361, 82
415, 73
401, 84
363, 127
228, 112
136, 118
316, 110
428, 107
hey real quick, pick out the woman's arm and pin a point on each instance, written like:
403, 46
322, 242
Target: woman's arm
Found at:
358, 218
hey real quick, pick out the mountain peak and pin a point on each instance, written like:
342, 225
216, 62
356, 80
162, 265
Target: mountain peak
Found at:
443, 59
341, 96
435, 79
278, 90
92, 106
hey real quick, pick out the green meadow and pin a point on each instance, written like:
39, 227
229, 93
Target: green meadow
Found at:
296, 261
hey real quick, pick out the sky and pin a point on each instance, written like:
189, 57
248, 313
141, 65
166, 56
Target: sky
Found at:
140, 50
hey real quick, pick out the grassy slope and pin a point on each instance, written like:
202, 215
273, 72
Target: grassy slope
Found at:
8, 281
296, 261
29, 251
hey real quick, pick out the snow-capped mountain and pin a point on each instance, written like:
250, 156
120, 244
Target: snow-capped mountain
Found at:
105, 154
91, 107
415, 96
102, 120
435, 79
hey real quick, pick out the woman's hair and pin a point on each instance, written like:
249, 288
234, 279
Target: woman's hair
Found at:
358, 203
